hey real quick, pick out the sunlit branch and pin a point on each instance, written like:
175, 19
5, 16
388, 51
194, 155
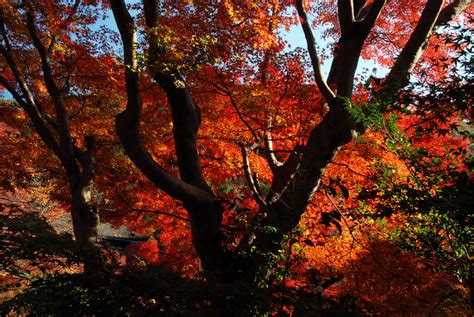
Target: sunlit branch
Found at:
452, 10
252, 182
270, 153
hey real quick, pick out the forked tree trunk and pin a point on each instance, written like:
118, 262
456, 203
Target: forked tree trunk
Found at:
190, 187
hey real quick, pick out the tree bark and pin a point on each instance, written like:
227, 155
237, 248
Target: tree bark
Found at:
85, 217
399, 75
337, 127
84, 213
190, 188
335, 130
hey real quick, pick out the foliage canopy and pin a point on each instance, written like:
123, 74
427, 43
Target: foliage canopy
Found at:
263, 185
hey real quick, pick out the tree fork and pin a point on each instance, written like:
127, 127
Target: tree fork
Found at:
191, 189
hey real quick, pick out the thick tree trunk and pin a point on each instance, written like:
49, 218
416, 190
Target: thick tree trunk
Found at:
85, 217
190, 188
294, 182
207, 238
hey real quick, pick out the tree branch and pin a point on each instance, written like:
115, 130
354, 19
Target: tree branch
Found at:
345, 9
368, 22
360, 9
398, 77
152, 12
284, 174
7, 54
311, 44
451, 11
127, 122
164, 213
64, 132
273, 162
186, 114
27, 100
236, 107
251, 181
350, 46
43, 53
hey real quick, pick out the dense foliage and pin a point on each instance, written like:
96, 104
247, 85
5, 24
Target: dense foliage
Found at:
257, 185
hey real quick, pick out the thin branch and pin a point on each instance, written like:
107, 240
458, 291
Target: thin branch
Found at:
349, 168
318, 77
272, 160
249, 176
13, 92
7, 54
236, 107
165, 213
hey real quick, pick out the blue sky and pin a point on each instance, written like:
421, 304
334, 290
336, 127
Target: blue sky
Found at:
294, 37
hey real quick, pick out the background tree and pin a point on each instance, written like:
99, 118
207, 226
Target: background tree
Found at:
44, 50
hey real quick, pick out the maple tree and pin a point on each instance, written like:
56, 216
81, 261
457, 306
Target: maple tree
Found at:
238, 136
44, 93
295, 180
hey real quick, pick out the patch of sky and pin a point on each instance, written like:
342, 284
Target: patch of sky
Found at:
295, 38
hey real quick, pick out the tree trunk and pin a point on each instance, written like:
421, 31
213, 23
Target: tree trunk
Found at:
336, 129
85, 217
207, 238
85, 220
